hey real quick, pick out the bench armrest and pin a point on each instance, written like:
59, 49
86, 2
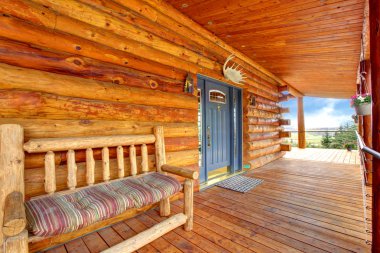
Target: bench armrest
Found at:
186, 173
14, 220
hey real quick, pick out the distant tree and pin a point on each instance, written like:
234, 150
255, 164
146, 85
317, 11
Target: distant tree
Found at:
326, 140
345, 137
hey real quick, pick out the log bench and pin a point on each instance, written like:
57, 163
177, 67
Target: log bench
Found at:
60, 216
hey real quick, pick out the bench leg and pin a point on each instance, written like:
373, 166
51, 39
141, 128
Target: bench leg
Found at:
17, 243
188, 203
165, 207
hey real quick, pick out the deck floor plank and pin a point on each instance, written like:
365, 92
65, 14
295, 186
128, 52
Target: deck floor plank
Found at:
302, 206
59, 249
324, 155
94, 242
76, 246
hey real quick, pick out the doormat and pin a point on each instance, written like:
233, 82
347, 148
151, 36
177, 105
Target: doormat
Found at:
240, 183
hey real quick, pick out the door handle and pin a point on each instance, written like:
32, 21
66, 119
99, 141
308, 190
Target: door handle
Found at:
208, 137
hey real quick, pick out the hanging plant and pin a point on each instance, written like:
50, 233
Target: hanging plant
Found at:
362, 101
362, 104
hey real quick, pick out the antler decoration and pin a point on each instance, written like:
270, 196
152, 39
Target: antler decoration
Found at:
233, 73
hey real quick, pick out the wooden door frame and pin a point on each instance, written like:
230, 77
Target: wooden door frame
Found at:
236, 160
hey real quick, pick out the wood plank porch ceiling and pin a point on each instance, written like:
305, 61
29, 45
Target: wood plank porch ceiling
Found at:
313, 45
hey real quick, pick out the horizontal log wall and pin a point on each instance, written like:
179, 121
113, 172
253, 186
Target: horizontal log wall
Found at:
92, 67
263, 130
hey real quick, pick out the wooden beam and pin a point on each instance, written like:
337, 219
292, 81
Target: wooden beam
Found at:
284, 110
285, 134
286, 147
284, 122
148, 235
285, 97
283, 88
75, 143
293, 91
374, 17
301, 124
182, 172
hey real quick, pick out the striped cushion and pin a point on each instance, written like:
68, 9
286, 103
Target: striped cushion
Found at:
53, 215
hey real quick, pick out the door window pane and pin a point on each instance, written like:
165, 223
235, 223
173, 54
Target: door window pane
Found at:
216, 96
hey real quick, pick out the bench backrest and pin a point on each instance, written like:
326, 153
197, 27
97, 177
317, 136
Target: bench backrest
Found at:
71, 144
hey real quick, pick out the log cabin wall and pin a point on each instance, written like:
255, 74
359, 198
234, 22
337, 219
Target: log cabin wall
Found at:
94, 67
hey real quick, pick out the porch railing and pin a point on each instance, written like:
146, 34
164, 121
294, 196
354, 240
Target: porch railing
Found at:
314, 142
366, 149
376, 155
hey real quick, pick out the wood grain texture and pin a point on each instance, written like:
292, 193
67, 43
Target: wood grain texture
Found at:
301, 123
102, 68
14, 214
11, 170
186, 173
149, 235
63, 85
50, 184
291, 211
300, 42
124, 63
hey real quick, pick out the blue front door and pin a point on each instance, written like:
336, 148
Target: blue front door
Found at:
217, 126
220, 127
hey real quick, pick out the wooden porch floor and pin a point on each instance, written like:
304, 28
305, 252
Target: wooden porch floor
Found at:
325, 155
302, 206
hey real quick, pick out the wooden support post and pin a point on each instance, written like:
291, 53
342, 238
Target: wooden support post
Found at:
72, 170
144, 158
132, 158
160, 147
374, 17
165, 207
161, 160
301, 124
120, 162
17, 243
106, 164
188, 189
11, 178
90, 167
50, 184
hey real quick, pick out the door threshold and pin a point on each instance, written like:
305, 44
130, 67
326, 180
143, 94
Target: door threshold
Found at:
212, 182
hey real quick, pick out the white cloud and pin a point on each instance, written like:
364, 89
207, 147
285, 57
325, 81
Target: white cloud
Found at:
327, 116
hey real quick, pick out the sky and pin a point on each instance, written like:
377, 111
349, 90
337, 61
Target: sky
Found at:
320, 112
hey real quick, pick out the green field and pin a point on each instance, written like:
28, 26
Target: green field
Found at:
313, 140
